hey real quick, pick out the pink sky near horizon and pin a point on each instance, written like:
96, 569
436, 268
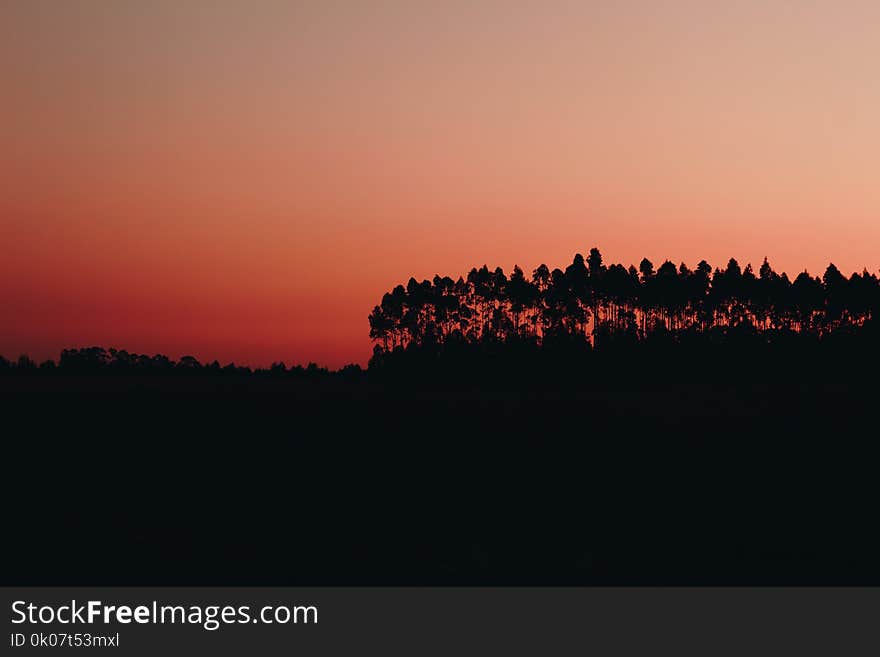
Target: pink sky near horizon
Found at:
243, 181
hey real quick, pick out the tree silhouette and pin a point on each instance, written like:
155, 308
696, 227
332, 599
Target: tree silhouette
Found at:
615, 303
588, 305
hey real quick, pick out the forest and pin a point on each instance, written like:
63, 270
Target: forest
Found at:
593, 425
602, 304
587, 307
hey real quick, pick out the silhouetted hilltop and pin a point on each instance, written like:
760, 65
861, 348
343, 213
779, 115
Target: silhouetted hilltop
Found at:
588, 426
596, 304
610, 321
587, 315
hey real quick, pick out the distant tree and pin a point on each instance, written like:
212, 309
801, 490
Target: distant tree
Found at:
189, 364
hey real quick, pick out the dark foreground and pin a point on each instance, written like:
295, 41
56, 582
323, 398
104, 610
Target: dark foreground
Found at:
244, 480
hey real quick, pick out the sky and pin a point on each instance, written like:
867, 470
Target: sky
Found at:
244, 180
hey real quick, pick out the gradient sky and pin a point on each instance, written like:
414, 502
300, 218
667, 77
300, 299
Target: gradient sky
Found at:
243, 180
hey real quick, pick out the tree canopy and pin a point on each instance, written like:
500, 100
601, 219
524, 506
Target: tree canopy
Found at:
601, 303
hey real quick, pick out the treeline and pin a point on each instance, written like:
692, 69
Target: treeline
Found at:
594, 304
586, 307
97, 360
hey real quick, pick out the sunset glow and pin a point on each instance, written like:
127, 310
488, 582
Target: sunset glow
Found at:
244, 181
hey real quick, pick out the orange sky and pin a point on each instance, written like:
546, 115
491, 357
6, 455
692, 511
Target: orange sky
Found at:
244, 180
